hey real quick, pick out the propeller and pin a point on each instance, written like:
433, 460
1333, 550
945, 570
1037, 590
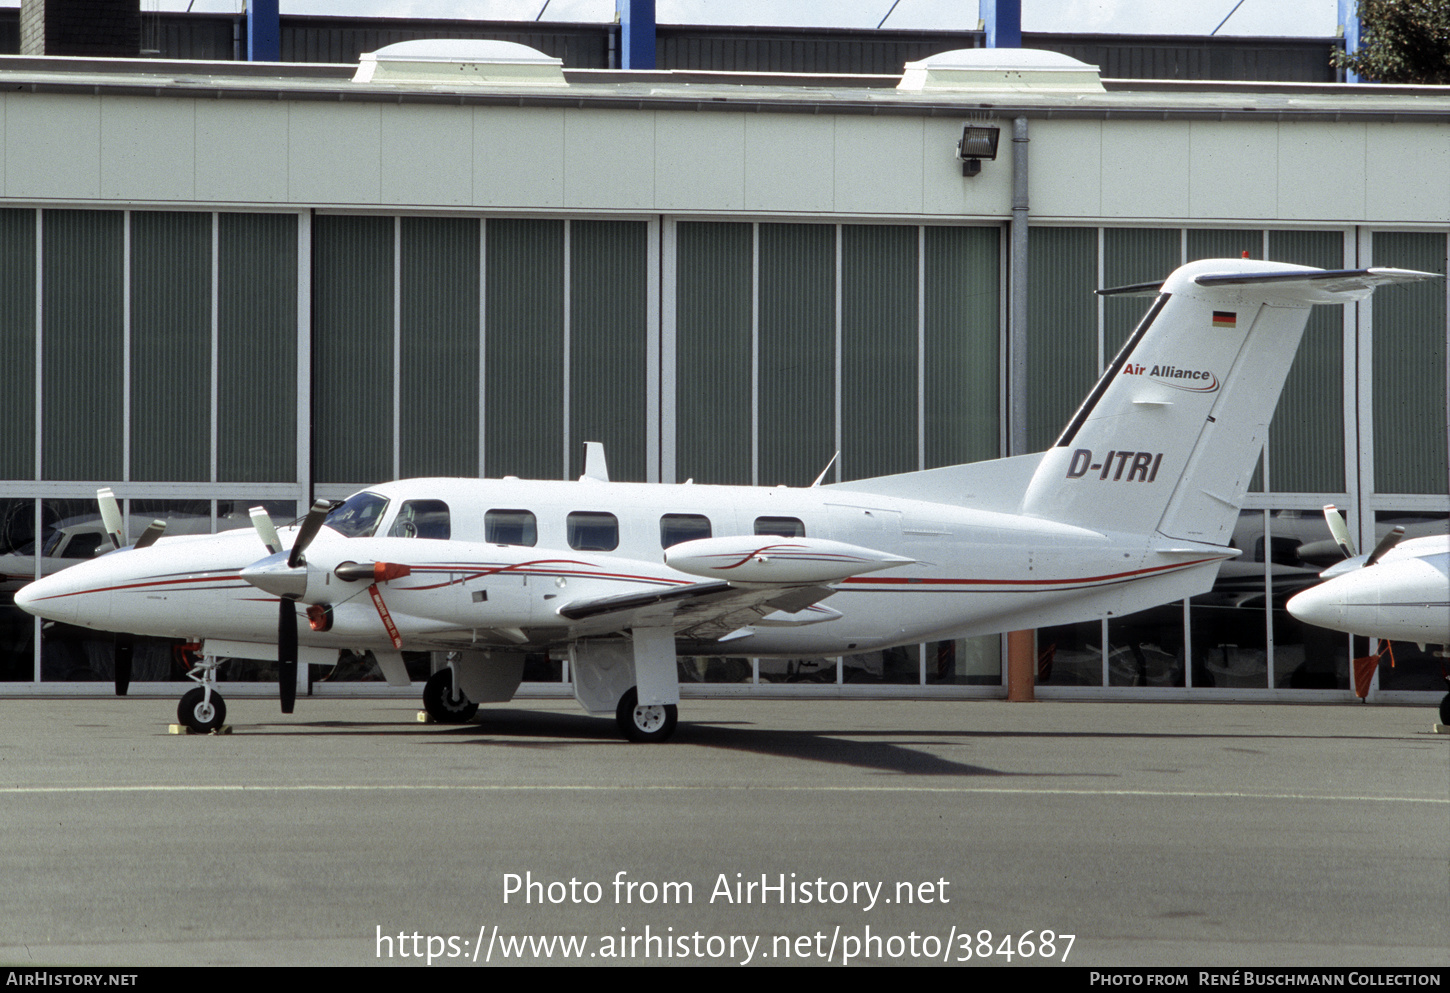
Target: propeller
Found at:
124, 648
1342, 538
111, 516
1339, 529
285, 576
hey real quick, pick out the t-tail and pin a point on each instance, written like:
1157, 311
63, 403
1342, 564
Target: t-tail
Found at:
1169, 437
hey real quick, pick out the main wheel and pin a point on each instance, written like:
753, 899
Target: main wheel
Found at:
199, 714
652, 723
441, 704
1445, 710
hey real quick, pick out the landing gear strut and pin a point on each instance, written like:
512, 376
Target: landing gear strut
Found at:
202, 708
651, 723
443, 702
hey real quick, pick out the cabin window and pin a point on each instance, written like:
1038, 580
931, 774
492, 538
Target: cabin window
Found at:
785, 527
358, 516
593, 531
675, 528
510, 527
422, 519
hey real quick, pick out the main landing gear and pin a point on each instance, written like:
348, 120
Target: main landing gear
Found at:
644, 724
445, 703
202, 708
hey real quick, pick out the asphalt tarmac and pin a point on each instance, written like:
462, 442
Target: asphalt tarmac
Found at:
766, 832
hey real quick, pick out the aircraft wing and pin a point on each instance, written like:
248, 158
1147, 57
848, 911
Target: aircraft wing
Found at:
699, 610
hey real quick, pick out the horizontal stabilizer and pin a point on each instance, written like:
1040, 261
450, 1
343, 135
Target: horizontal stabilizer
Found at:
1322, 286
1312, 286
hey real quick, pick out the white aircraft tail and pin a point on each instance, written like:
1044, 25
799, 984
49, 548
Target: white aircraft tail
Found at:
1168, 438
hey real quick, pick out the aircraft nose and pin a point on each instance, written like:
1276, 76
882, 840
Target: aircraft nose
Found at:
47, 598
1322, 606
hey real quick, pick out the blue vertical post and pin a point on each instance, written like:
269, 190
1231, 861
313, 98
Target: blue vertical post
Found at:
1349, 25
264, 33
1003, 22
636, 33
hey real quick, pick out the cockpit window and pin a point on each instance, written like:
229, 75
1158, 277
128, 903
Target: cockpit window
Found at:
422, 519
358, 517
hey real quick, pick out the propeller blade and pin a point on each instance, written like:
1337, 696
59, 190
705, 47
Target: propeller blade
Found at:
125, 648
111, 515
152, 532
310, 526
287, 654
266, 530
1339, 529
1386, 543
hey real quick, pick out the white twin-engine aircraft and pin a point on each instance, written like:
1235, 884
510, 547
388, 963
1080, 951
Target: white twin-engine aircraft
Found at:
1133, 506
1400, 591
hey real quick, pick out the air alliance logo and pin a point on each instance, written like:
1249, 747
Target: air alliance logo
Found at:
1190, 380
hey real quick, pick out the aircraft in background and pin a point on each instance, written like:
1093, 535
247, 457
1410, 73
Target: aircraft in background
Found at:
1134, 505
1398, 592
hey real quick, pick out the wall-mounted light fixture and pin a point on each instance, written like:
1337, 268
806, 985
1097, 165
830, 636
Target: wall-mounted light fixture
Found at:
979, 141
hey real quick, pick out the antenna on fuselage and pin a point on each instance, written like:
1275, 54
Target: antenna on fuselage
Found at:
595, 467
826, 469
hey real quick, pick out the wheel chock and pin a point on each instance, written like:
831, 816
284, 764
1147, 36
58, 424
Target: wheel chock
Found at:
1442, 728
183, 729
425, 718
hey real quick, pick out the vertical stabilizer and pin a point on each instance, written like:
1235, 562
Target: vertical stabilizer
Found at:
1169, 437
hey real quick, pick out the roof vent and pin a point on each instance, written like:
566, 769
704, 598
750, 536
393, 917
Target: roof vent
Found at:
1001, 69
450, 61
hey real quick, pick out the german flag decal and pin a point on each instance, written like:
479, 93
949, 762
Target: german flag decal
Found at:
1225, 319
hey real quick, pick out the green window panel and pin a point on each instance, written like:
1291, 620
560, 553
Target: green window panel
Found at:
1409, 368
1221, 243
257, 332
523, 393
713, 357
1062, 328
438, 378
352, 348
170, 345
879, 347
962, 339
609, 344
797, 351
1132, 256
83, 325
17, 343
1306, 436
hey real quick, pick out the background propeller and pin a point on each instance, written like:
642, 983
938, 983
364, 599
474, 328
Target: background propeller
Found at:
1342, 537
124, 647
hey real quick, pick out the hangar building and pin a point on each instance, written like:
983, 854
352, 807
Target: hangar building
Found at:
227, 285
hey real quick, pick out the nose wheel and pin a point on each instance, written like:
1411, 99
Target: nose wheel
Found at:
655, 722
201, 711
202, 708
